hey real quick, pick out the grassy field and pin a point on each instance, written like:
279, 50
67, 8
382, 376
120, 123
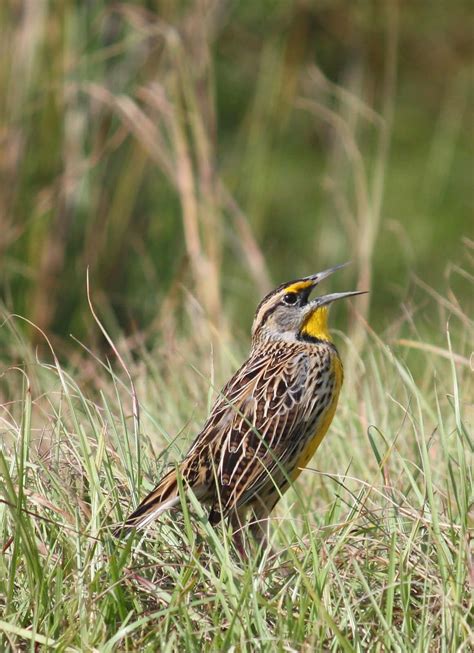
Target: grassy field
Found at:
372, 544
190, 155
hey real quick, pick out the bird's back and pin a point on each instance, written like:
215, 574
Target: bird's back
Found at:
266, 424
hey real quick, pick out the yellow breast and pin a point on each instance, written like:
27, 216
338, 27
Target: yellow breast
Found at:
337, 372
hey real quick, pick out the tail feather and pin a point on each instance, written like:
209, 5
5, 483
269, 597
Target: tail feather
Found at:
164, 496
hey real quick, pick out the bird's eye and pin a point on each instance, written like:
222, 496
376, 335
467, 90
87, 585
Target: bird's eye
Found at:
290, 298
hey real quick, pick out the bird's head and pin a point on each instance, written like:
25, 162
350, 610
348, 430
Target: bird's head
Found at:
287, 313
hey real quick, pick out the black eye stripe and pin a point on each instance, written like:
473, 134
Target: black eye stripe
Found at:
273, 308
265, 316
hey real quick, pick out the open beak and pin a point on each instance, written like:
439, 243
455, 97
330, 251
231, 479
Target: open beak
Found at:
315, 279
324, 300
305, 285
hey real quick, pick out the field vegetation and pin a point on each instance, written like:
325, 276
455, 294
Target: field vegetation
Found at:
164, 164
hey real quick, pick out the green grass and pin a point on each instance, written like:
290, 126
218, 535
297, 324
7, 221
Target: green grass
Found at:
190, 155
227, 146
372, 543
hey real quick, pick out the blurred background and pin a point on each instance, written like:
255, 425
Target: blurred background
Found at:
196, 153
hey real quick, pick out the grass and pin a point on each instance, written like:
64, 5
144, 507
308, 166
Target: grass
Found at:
189, 157
372, 543
228, 145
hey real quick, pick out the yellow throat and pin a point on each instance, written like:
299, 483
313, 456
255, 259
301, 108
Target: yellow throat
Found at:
316, 324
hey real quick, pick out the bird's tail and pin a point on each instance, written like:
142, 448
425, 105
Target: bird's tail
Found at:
164, 496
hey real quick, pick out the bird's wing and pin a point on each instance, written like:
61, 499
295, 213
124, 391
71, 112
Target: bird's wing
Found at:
252, 426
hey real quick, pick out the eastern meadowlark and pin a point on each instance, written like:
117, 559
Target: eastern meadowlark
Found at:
268, 420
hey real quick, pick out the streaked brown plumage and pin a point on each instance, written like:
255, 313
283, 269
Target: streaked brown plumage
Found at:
268, 419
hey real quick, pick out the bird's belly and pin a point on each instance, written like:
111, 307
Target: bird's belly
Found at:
315, 440
318, 431
305, 443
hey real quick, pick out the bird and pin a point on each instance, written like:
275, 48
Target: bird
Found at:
267, 421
